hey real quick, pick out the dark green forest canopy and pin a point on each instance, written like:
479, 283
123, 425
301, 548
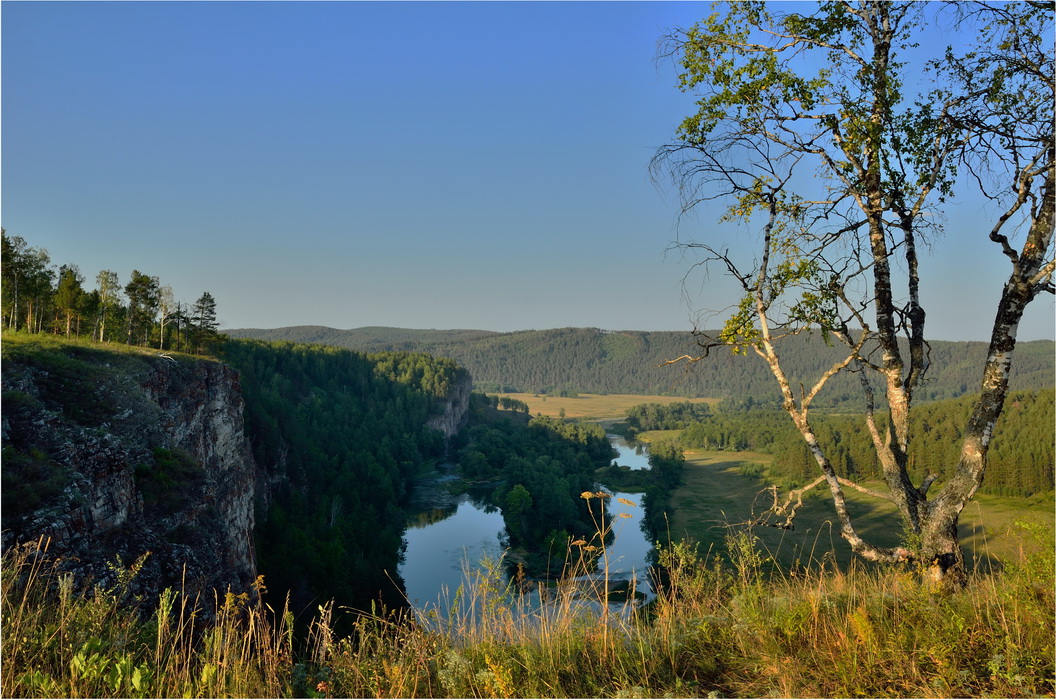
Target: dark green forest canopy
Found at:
540, 467
341, 435
590, 360
1020, 461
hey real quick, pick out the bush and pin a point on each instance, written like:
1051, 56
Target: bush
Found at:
169, 484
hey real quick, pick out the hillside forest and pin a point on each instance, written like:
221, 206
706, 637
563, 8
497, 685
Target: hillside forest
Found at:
1020, 462
343, 435
589, 360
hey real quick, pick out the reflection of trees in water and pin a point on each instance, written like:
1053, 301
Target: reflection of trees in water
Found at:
432, 516
478, 496
442, 510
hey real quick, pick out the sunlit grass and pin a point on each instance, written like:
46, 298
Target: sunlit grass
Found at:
721, 488
103, 643
595, 407
735, 628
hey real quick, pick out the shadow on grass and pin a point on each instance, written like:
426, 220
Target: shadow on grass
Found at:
720, 492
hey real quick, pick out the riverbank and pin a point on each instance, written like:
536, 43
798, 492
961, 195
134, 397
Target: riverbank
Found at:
455, 533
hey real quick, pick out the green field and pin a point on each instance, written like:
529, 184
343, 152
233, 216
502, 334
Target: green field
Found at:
715, 493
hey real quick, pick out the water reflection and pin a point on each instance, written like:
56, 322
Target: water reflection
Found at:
628, 552
431, 517
635, 456
449, 537
437, 551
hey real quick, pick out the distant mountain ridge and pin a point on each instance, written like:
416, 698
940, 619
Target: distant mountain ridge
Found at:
365, 339
591, 360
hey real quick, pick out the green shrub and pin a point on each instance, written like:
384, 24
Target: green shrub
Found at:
169, 483
29, 480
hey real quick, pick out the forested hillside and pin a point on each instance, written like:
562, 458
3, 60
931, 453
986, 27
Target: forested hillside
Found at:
1020, 459
339, 435
590, 360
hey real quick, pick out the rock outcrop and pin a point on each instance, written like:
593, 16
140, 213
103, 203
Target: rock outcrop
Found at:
111, 453
122, 453
451, 419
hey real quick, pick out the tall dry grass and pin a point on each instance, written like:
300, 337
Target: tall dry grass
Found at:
104, 643
715, 629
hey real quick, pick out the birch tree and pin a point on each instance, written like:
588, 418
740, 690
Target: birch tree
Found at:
166, 309
808, 131
109, 288
27, 283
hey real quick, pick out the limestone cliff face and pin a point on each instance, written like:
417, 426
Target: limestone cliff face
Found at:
452, 417
124, 453
113, 453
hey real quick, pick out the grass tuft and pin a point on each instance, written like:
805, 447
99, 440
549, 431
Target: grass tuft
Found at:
715, 629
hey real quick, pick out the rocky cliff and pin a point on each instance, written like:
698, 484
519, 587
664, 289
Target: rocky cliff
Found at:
455, 408
114, 453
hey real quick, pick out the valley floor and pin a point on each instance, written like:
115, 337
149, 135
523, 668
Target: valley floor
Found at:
716, 495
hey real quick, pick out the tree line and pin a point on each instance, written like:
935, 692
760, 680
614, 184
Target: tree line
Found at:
1020, 461
659, 416
39, 298
589, 360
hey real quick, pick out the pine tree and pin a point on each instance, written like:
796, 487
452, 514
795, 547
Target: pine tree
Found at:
203, 318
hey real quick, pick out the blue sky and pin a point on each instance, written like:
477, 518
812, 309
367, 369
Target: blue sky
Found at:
421, 165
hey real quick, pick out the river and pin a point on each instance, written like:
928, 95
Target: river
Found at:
450, 536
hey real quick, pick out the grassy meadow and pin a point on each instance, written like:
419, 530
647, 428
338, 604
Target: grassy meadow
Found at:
717, 492
602, 408
716, 630
721, 489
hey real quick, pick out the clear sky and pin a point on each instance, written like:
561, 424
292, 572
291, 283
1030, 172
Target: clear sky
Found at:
421, 165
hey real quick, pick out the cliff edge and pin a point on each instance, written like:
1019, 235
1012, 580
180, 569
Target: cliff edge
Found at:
113, 453
454, 409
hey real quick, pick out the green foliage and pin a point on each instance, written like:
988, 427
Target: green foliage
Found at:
505, 403
674, 416
27, 284
589, 360
621, 478
431, 375
168, 484
30, 480
1019, 463
68, 377
62, 642
667, 465
341, 434
713, 631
